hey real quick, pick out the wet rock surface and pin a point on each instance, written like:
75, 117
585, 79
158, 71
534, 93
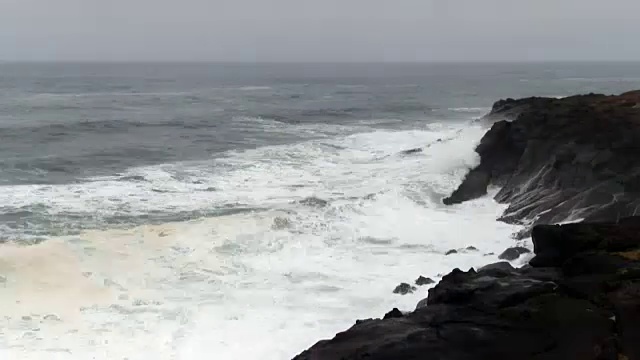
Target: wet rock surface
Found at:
565, 305
404, 289
560, 159
421, 281
579, 297
513, 253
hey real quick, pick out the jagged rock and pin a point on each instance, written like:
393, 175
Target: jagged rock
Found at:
451, 252
558, 159
554, 244
404, 289
393, 314
579, 298
424, 281
314, 202
412, 151
575, 311
497, 270
513, 253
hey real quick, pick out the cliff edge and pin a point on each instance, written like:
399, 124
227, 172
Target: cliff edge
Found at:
556, 160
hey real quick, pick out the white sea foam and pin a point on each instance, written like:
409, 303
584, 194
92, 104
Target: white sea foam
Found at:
264, 284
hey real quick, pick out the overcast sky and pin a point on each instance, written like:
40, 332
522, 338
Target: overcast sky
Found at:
326, 30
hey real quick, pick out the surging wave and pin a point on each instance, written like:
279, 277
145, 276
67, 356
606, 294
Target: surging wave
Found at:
335, 223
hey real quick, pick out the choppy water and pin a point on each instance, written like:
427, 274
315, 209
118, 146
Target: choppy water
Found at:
183, 211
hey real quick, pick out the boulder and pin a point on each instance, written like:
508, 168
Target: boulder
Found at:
497, 270
581, 300
513, 253
554, 244
404, 289
393, 314
424, 281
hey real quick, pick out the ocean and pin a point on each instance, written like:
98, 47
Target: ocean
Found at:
240, 211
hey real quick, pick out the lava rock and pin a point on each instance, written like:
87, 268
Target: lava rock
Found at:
424, 281
554, 244
412, 151
497, 270
404, 289
513, 253
393, 314
579, 297
556, 158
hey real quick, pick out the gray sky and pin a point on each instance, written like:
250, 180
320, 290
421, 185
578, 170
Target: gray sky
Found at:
326, 30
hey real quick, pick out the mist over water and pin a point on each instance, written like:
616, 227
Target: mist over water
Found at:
231, 211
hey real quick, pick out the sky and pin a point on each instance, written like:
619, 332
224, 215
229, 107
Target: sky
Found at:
319, 31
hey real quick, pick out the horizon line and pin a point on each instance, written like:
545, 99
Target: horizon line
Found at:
337, 62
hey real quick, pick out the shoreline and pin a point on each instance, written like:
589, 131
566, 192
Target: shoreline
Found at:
555, 160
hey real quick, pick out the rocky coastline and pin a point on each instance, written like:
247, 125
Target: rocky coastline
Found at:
575, 160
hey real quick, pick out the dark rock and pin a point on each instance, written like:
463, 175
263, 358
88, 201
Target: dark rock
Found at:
580, 301
556, 158
542, 274
552, 326
627, 315
554, 244
412, 151
363, 321
422, 304
474, 186
485, 291
314, 202
451, 252
497, 270
471, 248
513, 253
424, 281
393, 314
404, 289
579, 298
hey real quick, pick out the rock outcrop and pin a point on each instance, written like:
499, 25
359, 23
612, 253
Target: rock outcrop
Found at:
555, 160
513, 253
579, 299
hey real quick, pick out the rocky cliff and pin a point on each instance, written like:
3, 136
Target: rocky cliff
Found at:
579, 299
576, 158
555, 160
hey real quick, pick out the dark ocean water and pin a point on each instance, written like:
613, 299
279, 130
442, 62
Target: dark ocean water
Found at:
175, 211
60, 123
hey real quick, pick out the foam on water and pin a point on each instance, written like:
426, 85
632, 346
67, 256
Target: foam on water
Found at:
343, 220
481, 110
